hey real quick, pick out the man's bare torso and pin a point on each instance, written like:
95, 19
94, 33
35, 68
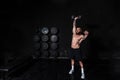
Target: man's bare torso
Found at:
76, 40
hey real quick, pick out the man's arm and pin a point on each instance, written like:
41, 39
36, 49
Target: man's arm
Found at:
74, 25
86, 34
83, 37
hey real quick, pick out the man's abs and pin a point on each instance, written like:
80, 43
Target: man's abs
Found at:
75, 46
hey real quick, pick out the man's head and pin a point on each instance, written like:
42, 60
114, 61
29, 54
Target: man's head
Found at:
78, 30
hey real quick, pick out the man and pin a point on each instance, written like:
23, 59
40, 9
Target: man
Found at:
75, 54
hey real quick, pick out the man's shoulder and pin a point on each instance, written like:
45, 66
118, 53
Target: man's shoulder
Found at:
81, 35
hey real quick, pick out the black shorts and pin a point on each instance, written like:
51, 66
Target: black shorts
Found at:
75, 54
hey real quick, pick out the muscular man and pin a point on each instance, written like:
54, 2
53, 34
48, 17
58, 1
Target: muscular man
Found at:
75, 54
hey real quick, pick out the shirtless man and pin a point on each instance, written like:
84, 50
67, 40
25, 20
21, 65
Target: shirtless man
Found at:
75, 54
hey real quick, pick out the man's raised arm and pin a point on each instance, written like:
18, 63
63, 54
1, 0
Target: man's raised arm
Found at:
74, 25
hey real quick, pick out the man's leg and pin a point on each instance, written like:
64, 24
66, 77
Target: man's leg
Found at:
72, 66
82, 70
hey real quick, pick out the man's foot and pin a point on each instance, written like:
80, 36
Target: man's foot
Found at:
71, 71
83, 76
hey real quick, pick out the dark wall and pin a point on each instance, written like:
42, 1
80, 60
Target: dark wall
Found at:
19, 21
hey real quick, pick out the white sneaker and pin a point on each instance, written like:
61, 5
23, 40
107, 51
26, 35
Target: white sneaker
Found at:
71, 71
83, 76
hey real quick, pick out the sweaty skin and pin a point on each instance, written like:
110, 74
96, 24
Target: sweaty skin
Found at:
76, 40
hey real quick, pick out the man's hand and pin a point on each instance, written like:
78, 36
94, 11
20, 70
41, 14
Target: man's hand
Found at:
76, 18
86, 32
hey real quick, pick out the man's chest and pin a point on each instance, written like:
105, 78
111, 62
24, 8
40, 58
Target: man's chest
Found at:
76, 37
